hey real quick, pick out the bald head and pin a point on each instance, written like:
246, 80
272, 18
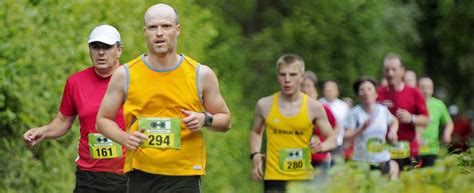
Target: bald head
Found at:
426, 86
161, 11
330, 90
410, 78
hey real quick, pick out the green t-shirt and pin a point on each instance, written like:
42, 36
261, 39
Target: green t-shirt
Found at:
439, 115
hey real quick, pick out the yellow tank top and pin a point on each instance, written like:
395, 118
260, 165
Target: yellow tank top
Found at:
287, 139
152, 93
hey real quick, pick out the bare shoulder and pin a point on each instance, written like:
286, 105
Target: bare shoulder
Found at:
314, 104
121, 71
264, 104
315, 108
208, 79
119, 76
265, 101
206, 71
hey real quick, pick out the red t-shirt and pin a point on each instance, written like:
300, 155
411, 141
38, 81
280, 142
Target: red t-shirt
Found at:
461, 133
320, 157
82, 96
410, 99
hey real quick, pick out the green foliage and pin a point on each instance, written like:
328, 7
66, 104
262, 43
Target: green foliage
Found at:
453, 33
338, 40
451, 174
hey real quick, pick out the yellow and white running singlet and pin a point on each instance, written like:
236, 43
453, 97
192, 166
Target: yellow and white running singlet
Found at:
287, 139
153, 101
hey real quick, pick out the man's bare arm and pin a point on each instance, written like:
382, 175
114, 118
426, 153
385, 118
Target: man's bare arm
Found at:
448, 131
58, 127
213, 101
255, 141
111, 103
321, 120
421, 121
405, 116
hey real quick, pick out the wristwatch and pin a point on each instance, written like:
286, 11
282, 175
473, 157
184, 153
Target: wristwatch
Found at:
253, 155
208, 118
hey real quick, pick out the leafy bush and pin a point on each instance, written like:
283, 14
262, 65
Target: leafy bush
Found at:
453, 173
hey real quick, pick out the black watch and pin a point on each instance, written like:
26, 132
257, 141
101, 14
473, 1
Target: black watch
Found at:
208, 119
253, 155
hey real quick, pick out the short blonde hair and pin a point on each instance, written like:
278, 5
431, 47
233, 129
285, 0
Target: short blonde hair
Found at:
290, 59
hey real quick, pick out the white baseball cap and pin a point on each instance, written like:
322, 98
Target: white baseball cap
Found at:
106, 34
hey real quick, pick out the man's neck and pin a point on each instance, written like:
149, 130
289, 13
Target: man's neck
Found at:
162, 61
291, 97
290, 105
397, 88
106, 73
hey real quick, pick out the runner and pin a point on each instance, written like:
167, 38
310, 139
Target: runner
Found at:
100, 161
167, 99
288, 118
439, 115
462, 131
408, 105
340, 109
369, 124
320, 160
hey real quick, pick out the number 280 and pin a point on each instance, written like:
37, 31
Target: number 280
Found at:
292, 165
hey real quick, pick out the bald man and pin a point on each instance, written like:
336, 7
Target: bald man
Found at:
439, 116
410, 78
167, 99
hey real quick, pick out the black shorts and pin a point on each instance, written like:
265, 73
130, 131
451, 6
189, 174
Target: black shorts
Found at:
142, 182
383, 167
274, 186
408, 163
428, 160
98, 182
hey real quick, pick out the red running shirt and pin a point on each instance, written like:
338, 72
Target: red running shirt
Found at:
82, 96
320, 157
410, 99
